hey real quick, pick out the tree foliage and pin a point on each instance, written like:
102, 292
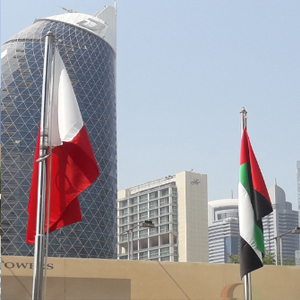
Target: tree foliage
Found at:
269, 258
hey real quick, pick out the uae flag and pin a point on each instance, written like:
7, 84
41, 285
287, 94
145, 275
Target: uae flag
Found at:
254, 204
72, 167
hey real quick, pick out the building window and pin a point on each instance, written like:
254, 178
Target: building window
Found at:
124, 220
165, 251
143, 255
164, 201
143, 207
143, 198
164, 192
166, 258
143, 216
164, 210
153, 231
164, 219
153, 195
154, 253
153, 204
133, 209
134, 218
143, 233
153, 213
164, 228
123, 212
123, 228
133, 200
174, 191
124, 238
123, 203
154, 221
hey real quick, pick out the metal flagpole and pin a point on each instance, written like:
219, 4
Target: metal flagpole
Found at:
280, 245
128, 244
247, 277
41, 201
131, 245
243, 119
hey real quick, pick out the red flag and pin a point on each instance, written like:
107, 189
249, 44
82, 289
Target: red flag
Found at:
73, 164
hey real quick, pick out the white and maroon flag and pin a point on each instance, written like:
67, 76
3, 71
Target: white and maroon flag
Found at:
73, 165
254, 204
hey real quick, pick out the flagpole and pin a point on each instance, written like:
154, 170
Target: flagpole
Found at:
39, 250
243, 115
247, 277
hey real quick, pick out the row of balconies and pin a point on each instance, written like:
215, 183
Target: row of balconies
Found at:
153, 253
146, 206
160, 219
127, 203
152, 213
152, 232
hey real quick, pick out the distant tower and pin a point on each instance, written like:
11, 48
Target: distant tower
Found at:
298, 187
87, 45
223, 230
281, 220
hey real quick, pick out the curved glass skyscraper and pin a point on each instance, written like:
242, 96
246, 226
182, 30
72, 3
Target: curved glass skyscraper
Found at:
87, 46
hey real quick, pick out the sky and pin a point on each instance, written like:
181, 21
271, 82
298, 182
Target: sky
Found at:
185, 69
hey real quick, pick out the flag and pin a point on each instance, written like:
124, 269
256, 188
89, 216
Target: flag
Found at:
254, 204
73, 165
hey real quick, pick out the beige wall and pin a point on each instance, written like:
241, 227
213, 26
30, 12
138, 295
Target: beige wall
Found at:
89, 279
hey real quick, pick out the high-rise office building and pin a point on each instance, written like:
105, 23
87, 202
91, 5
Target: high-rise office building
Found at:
298, 197
87, 45
298, 188
177, 206
224, 227
281, 220
223, 230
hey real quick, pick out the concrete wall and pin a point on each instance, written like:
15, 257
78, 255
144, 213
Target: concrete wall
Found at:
91, 279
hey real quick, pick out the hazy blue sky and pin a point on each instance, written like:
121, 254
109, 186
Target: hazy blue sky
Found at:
184, 71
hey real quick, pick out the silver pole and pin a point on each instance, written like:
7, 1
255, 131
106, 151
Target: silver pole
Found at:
39, 249
276, 251
131, 245
243, 115
280, 247
247, 277
247, 285
128, 246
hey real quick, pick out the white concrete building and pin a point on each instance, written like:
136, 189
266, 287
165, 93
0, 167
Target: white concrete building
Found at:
177, 205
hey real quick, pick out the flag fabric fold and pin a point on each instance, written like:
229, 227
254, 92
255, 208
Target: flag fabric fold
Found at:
254, 204
73, 165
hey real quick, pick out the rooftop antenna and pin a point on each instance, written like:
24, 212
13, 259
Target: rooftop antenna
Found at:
68, 10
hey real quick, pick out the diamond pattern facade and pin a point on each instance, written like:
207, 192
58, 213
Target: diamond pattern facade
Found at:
90, 62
